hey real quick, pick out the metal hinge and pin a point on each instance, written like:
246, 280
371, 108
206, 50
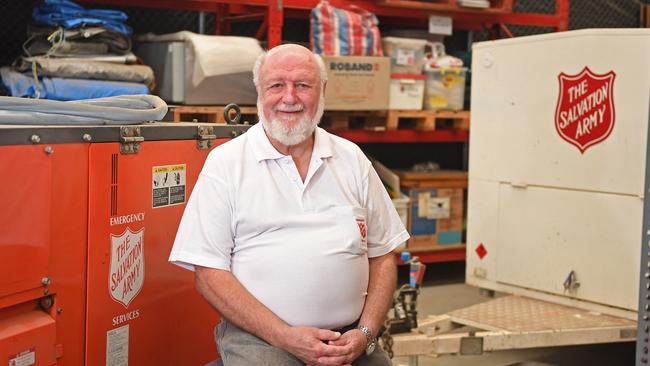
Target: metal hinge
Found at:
205, 137
519, 184
130, 140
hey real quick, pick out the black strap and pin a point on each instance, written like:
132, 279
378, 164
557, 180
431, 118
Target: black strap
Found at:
347, 328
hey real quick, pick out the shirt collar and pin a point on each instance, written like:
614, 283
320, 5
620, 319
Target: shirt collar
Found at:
261, 146
263, 150
322, 144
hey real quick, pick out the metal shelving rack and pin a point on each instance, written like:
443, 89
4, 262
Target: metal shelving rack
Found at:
271, 14
413, 13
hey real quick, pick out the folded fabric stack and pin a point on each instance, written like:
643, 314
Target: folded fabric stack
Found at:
74, 53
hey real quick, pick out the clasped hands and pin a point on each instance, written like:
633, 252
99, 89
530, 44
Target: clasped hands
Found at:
322, 347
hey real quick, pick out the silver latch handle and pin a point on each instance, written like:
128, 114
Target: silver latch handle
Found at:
132, 138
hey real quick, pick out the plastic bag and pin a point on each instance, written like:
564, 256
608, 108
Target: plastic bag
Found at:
339, 32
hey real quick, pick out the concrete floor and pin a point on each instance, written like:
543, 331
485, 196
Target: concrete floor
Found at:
444, 290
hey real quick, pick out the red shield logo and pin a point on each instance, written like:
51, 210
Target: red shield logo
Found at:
361, 222
126, 274
585, 114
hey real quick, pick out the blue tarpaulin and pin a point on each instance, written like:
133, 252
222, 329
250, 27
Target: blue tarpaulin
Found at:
67, 14
21, 85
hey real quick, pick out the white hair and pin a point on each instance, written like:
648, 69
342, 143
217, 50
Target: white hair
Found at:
262, 58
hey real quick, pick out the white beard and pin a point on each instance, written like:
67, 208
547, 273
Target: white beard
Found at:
290, 135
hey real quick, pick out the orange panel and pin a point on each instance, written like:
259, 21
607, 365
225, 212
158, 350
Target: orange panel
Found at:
44, 235
25, 228
69, 232
27, 339
136, 300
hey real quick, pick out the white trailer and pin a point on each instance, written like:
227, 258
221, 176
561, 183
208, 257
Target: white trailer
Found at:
557, 164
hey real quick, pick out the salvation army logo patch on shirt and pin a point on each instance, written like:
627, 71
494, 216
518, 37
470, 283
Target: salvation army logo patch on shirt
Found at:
585, 114
361, 222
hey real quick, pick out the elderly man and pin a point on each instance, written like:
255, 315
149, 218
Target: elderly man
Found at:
290, 231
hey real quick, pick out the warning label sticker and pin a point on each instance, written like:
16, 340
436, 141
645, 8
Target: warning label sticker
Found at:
25, 358
168, 185
117, 346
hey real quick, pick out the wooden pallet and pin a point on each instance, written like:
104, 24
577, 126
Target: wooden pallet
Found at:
508, 323
211, 114
429, 120
396, 119
346, 120
341, 120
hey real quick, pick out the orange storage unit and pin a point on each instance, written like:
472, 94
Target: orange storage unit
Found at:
89, 216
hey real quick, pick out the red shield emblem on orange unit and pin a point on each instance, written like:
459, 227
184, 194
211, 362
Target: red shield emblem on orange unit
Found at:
126, 274
585, 114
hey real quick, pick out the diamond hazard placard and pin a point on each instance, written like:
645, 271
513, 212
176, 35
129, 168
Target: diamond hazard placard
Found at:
481, 251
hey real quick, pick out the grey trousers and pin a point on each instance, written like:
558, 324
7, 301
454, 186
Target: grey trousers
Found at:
240, 348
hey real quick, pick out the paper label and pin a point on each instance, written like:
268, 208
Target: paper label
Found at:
439, 208
405, 57
117, 346
440, 25
25, 358
168, 185
423, 204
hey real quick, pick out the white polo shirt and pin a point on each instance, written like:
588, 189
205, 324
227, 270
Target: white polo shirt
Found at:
301, 248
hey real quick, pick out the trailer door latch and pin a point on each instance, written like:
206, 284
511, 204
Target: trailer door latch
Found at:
205, 137
130, 140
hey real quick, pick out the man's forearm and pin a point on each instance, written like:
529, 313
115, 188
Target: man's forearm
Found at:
381, 286
237, 305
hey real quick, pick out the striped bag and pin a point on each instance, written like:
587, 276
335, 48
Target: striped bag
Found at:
338, 32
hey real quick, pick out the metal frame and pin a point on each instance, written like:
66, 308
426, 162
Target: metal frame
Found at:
34, 135
643, 320
416, 13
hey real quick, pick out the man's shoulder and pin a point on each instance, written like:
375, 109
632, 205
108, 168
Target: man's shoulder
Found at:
347, 155
229, 152
341, 145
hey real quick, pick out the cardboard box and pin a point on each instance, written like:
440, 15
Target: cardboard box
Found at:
357, 83
437, 208
436, 217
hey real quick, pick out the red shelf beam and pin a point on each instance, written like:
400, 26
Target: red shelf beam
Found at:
438, 256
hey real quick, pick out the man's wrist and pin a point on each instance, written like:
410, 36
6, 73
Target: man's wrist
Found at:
371, 341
